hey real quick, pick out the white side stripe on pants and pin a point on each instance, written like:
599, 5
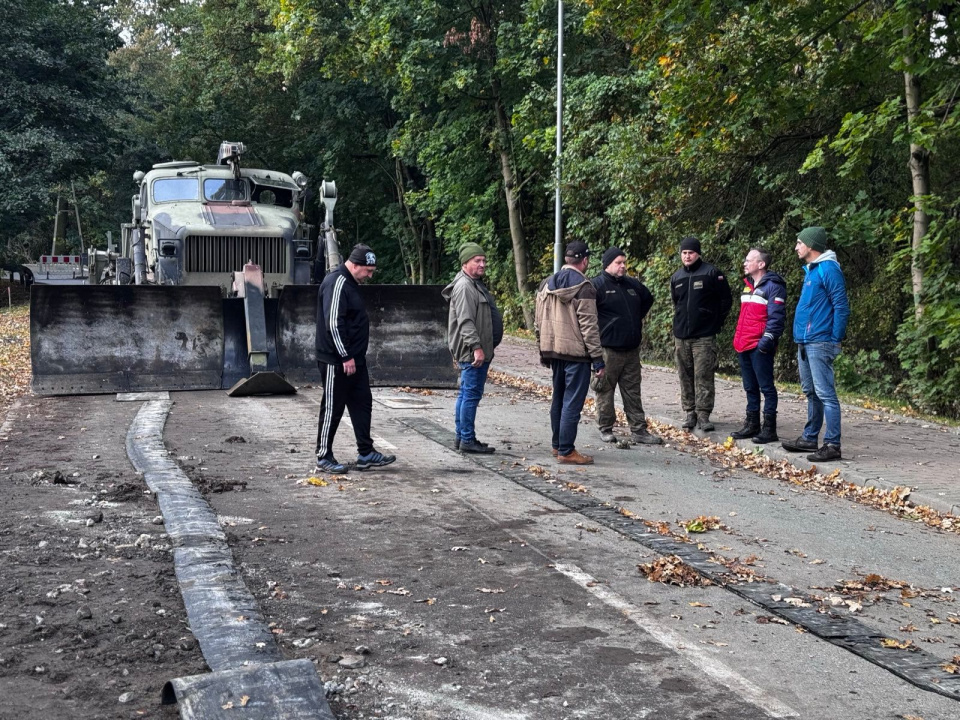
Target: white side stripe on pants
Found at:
326, 442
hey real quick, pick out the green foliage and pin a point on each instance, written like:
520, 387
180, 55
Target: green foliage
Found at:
56, 113
737, 122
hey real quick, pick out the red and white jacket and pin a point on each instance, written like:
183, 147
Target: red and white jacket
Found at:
763, 311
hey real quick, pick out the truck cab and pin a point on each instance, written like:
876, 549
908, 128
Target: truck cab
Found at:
199, 224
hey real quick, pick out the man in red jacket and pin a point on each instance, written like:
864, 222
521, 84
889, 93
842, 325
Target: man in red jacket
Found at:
763, 312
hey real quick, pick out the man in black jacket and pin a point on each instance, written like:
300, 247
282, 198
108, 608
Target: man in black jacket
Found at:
701, 301
622, 303
343, 332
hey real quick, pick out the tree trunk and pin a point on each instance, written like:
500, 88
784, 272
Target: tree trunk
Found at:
510, 185
920, 175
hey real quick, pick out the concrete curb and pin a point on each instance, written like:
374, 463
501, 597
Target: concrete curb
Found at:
798, 460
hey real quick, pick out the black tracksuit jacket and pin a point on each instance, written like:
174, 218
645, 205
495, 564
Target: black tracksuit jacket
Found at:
343, 328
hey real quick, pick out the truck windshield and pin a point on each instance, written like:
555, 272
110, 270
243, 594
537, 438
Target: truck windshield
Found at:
170, 189
223, 190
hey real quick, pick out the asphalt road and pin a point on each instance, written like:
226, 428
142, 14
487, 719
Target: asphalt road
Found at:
443, 587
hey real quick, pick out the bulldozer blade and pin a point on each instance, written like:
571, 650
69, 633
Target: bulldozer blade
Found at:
262, 383
408, 344
130, 338
407, 335
236, 357
297, 334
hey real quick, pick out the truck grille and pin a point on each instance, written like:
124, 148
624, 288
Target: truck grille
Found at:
229, 253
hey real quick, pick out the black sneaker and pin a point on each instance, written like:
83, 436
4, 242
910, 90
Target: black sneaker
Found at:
330, 466
827, 452
801, 444
374, 459
456, 444
475, 447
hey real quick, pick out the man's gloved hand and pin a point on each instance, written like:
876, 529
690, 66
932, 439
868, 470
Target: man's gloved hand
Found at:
767, 344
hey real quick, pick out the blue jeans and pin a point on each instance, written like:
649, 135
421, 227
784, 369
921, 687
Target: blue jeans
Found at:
756, 371
571, 380
817, 381
472, 380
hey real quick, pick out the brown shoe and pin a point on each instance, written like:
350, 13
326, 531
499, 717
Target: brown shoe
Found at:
575, 458
553, 451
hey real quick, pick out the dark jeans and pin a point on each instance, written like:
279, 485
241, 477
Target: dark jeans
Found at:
472, 380
756, 371
571, 380
344, 391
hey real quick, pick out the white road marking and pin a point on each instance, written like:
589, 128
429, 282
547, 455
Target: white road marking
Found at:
377, 440
673, 641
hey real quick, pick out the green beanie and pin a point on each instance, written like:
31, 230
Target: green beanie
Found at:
814, 238
469, 251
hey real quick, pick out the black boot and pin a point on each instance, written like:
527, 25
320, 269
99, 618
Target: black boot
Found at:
769, 432
751, 426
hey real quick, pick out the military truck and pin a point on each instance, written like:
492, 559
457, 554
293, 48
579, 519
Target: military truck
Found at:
214, 286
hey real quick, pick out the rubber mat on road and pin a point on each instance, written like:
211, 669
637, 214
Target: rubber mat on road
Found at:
249, 675
914, 665
279, 691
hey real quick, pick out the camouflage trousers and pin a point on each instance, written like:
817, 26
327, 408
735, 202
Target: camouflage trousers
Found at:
696, 365
622, 370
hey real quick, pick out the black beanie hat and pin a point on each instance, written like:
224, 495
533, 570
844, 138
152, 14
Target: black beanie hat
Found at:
611, 254
362, 255
690, 243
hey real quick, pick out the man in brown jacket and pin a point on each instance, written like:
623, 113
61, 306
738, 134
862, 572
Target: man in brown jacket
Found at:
569, 338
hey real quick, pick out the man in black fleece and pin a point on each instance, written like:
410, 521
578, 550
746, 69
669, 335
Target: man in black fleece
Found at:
622, 303
701, 301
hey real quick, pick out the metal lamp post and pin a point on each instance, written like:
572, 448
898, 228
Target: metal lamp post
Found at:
557, 207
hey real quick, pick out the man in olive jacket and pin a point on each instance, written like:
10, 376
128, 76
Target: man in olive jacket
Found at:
569, 337
701, 302
474, 329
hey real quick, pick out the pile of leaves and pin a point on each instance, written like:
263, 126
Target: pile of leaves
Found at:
703, 523
14, 354
738, 571
671, 570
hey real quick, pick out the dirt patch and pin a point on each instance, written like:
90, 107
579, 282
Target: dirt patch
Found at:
91, 620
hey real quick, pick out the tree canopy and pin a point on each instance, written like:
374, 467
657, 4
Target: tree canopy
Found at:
738, 122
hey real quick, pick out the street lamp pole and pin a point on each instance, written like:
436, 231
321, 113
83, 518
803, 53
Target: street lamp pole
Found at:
557, 208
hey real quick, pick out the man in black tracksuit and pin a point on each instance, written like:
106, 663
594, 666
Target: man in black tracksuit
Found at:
622, 303
343, 332
701, 301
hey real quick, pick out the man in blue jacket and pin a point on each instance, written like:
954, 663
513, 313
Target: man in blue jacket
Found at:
819, 327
